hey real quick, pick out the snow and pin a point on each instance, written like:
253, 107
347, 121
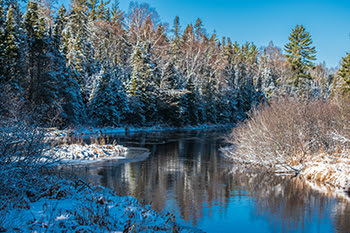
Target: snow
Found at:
76, 207
93, 152
323, 169
331, 170
89, 131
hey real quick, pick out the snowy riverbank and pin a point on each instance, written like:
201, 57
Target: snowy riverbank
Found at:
329, 170
86, 132
85, 153
68, 206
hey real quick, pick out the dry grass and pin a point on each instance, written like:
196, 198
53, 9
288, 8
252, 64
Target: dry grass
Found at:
283, 134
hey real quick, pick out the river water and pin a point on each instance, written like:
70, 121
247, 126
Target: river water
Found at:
186, 176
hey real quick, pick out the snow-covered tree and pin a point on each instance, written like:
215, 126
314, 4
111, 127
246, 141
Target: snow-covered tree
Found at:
344, 73
108, 102
11, 48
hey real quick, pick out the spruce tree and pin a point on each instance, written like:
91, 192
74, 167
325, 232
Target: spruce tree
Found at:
102, 13
300, 53
199, 30
108, 103
60, 24
47, 81
10, 47
344, 72
34, 28
142, 83
189, 105
68, 87
117, 14
2, 15
77, 37
93, 9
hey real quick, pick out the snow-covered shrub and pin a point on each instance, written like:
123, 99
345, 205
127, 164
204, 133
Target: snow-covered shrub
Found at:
283, 134
22, 147
67, 206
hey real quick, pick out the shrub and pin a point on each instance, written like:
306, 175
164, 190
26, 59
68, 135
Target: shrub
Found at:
22, 159
284, 133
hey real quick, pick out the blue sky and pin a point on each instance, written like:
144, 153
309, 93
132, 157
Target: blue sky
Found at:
261, 21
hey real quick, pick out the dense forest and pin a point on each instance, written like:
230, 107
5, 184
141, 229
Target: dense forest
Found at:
95, 64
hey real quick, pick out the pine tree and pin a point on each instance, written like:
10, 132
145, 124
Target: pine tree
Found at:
199, 30
46, 68
175, 46
10, 50
108, 104
102, 13
68, 87
189, 113
300, 53
142, 83
93, 9
344, 73
34, 28
2, 15
77, 37
60, 24
117, 14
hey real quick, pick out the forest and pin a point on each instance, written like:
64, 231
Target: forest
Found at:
89, 65
95, 64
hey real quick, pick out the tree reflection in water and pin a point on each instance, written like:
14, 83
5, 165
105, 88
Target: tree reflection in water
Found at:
186, 175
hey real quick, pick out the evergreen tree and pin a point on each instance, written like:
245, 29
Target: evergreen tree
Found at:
344, 73
2, 15
175, 46
199, 30
102, 13
142, 83
60, 24
93, 9
49, 79
10, 50
108, 104
34, 27
77, 37
300, 53
189, 113
117, 14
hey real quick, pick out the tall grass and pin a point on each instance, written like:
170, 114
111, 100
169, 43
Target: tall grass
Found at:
285, 133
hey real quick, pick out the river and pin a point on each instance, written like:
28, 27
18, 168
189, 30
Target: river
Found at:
186, 176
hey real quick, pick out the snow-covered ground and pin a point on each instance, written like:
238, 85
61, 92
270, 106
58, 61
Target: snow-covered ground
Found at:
93, 152
89, 131
330, 170
68, 206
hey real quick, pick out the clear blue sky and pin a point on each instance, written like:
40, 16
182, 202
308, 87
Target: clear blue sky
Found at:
261, 21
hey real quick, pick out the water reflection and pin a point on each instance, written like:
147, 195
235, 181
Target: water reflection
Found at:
185, 175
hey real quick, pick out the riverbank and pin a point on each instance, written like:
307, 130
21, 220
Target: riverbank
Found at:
66, 206
308, 138
330, 170
88, 131
87, 153
33, 199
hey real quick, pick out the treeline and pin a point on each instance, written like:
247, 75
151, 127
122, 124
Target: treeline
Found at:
99, 65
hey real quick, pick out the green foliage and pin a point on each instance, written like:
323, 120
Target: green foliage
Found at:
300, 53
187, 78
108, 103
344, 72
10, 49
117, 14
189, 105
60, 24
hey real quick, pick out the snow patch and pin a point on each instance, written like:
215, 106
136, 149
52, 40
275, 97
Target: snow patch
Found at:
76, 207
93, 152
